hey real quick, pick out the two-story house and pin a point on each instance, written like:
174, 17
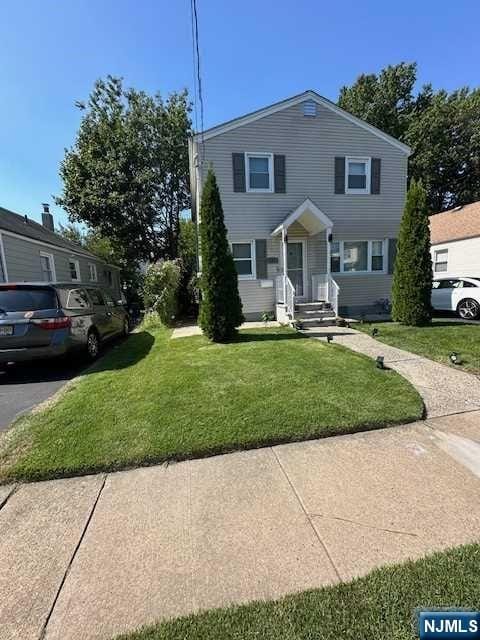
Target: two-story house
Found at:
312, 198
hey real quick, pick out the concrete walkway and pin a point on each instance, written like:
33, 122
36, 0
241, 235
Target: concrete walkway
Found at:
88, 558
194, 330
445, 390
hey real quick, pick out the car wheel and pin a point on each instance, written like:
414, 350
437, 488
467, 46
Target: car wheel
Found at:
93, 345
468, 309
126, 327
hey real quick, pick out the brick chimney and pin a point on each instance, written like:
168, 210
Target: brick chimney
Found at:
47, 218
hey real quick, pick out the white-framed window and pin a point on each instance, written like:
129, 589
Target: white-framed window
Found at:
335, 257
74, 268
377, 255
259, 172
92, 272
357, 175
441, 260
358, 256
244, 258
47, 265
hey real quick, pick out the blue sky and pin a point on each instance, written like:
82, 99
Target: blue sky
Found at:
253, 53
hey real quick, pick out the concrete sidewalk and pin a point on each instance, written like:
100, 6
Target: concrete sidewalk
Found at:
445, 390
88, 558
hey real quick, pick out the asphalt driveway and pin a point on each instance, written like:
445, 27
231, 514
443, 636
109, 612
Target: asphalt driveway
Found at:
26, 385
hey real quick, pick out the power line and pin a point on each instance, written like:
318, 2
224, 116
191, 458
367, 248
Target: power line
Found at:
198, 75
194, 65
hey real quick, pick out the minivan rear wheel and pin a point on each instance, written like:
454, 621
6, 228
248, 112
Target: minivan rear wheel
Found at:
468, 309
93, 345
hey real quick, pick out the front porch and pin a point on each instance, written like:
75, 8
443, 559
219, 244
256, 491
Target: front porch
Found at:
305, 290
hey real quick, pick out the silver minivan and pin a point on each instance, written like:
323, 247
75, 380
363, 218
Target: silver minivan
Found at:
40, 320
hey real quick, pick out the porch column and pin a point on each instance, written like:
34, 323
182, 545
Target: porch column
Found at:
284, 253
329, 231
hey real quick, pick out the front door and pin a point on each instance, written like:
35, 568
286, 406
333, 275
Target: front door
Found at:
295, 267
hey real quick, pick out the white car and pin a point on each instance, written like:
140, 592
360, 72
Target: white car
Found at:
457, 294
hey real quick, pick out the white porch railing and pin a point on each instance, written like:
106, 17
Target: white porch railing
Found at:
285, 294
333, 291
325, 288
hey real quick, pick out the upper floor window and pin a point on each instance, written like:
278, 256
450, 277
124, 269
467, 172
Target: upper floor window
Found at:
357, 175
441, 260
92, 272
47, 265
244, 258
259, 172
74, 268
361, 256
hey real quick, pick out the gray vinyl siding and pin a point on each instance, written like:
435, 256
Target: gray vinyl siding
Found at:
361, 292
310, 145
23, 264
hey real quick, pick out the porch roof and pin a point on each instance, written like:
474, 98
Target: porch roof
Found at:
309, 216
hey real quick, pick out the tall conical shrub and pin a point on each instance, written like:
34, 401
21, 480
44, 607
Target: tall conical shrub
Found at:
221, 307
412, 279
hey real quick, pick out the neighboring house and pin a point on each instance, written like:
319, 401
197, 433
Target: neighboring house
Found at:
455, 240
33, 252
312, 198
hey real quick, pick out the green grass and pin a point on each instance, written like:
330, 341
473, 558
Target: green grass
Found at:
152, 399
379, 606
435, 341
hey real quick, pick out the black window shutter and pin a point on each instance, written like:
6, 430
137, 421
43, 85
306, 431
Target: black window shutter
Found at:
279, 173
238, 164
261, 258
392, 254
340, 174
375, 175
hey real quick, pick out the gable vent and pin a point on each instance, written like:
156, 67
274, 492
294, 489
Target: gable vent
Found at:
309, 108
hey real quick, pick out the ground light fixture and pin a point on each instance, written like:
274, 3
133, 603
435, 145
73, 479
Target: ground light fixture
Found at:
455, 358
380, 360
374, 332
329, 339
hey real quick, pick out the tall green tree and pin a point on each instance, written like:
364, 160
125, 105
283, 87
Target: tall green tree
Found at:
385, 100
442, 129
412, 279
444, 134
127, 172
221, 307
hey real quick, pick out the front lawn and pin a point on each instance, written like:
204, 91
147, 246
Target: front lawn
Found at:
436, 341
380, 606
152, 399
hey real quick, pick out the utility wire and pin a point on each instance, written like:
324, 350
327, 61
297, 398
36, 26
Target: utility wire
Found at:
197, 69
194, 67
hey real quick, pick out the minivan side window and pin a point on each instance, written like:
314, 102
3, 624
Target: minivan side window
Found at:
77, 299
96, 297
108, 299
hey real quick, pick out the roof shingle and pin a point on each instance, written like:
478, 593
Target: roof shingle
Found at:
24, 226
455, 224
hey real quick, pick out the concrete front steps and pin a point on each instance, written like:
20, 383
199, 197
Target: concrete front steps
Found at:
314, 314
